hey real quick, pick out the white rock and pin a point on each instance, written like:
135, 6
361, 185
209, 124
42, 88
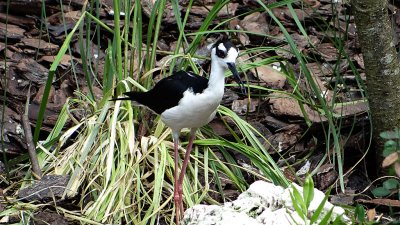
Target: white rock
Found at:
216, 215
260, 195
262, 204
277, 217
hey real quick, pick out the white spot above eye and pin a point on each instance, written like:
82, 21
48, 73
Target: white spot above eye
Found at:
231, 55
221, 46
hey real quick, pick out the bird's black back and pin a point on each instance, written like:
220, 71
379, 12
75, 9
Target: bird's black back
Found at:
168, 91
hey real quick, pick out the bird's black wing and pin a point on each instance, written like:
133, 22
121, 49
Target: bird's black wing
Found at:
168, 91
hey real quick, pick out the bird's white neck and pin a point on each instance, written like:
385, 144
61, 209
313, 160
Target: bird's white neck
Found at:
216, 81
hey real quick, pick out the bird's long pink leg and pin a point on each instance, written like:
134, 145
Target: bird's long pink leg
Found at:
184, 166
176, 193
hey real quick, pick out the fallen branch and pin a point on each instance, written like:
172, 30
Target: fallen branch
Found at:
29, 139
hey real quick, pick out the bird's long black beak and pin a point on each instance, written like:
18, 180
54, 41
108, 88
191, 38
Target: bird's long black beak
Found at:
232, 68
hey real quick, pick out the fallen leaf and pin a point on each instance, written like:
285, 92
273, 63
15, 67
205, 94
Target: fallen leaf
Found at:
244, 39
312, 3
17, 20
360, 60
346, 198
72, 16
255, 23
283, 106
12, 32
226, 11
284, 138
243, 106
320, 70
326, 176
351, 108
32, 70
397, 168
270, 77
219, 128
274, 123
65, 60
371, 213
327, 51
390, 159
38, 44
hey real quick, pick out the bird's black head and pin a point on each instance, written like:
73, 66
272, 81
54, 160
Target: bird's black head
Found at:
225, 53
225, 47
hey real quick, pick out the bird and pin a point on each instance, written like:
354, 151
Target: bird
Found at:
187, 100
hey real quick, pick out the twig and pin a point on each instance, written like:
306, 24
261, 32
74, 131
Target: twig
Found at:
29, 140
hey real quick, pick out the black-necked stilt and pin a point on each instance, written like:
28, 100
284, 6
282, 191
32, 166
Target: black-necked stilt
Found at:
187, 100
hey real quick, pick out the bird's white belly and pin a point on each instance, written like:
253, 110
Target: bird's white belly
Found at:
193, 111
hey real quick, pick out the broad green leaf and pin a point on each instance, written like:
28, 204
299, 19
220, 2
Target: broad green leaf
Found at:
380, 192
389, 148
359, 213
391, 184
390, 134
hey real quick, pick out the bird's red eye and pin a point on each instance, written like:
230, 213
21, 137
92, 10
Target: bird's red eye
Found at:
220, 53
